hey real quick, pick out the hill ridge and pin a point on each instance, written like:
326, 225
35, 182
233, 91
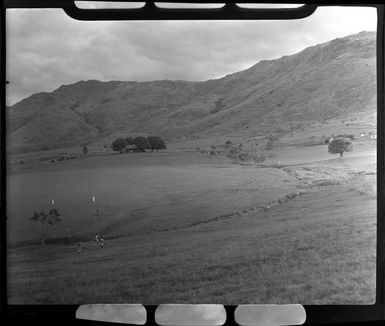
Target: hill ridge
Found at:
319, 83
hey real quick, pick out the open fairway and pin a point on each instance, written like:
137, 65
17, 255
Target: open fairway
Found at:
181, 227
137, 193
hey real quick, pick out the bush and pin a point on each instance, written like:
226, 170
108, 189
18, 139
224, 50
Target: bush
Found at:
228, 144
259, 158
244, 157
233, 153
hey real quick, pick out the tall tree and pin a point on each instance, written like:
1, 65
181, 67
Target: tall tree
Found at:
156, 143
129, 140
141, 143
45, 220
340, 145
118, 145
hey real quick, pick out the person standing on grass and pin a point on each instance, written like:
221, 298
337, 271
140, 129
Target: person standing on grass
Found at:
101, 242
97, 238
80, 245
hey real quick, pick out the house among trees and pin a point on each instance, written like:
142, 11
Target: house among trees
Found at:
131, 148
369, 135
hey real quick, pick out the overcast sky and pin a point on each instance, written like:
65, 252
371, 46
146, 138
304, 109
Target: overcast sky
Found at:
46, 48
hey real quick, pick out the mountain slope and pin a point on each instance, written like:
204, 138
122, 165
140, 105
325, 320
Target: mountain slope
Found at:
334, 79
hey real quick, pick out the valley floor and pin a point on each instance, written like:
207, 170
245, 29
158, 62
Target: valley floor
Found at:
300, 233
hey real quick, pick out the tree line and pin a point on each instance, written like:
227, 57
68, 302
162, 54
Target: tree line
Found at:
138, 144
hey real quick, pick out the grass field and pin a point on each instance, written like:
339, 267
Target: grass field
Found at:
183, 228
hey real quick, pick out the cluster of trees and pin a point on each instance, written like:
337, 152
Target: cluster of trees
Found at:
140, 143
245, 156
237, 152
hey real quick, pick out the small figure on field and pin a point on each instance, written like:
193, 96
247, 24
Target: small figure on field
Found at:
80, 245
266, 208
340, 145
101, 242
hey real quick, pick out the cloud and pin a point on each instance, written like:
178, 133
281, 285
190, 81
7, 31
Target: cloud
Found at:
46, 48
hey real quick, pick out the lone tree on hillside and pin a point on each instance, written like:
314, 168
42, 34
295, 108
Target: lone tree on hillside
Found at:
141, 143
118, 145
340, 145
156, 143
45, 220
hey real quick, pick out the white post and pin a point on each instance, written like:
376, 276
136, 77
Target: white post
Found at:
97, 210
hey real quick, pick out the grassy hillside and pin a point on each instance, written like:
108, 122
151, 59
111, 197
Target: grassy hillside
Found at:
334, 80
316, 248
